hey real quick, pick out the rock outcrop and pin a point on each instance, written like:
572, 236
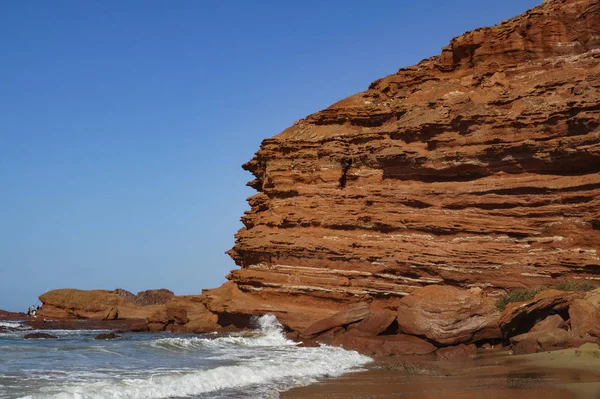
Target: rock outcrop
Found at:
39, 335
153, 310
106, 336
552, 320
6, 315
479, 167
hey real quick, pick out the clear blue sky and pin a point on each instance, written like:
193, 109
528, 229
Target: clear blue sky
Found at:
124, 124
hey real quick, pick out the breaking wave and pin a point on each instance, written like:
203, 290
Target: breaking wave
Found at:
259, 364
13, 326
269, 333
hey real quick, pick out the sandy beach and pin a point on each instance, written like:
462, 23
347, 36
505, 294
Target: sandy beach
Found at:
561, 374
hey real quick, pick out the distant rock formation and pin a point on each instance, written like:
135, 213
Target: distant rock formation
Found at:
153, 310
6, 315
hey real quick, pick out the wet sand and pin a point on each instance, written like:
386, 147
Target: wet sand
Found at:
555, 375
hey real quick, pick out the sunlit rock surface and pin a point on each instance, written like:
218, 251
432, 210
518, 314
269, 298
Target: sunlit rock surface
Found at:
475, 168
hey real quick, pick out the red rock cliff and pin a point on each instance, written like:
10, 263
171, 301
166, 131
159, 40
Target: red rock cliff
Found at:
477, 168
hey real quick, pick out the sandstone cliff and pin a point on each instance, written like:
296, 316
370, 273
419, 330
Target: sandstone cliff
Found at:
479, 167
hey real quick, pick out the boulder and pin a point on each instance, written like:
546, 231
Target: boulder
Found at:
40, 335
559, 339
110, 335
585, 318
544, 341
351, 314
549, 323
387, 345
517, 320
448, 315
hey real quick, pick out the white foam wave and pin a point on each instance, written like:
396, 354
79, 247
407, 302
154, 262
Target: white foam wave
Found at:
269, 334
71, 333
286, 372
275, 364
13, 325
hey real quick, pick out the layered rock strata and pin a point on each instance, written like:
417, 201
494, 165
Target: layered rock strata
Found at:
479, 167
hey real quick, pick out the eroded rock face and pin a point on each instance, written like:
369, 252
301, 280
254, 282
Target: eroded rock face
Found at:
475, 168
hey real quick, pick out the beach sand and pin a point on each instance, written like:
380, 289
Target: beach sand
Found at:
552, 375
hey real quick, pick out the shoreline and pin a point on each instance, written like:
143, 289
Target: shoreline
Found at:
561, 374
549, 375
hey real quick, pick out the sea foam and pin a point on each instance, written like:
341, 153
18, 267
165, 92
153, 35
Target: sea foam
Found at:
13, 325
265, 362
269, 333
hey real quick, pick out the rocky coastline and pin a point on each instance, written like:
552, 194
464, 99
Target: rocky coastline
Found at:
394, 221
441, 321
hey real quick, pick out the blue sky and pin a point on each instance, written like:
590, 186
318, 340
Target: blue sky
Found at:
124, 124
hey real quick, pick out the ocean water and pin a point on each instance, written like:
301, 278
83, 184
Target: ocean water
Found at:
259, 364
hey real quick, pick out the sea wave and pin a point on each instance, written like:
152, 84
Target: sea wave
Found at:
13, 325
269, 333
278, 364
326, 361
